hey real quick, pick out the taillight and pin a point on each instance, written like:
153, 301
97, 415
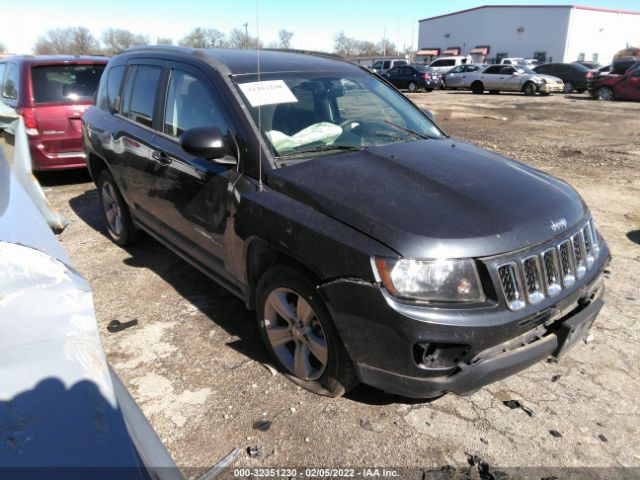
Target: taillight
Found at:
426, 76
29, 117
589, 74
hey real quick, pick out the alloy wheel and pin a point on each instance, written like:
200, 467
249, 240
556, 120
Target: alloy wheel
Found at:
568, 87
295, 334
413, 87
112, 209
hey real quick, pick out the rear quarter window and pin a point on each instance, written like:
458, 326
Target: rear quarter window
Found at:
10, 87
65, 83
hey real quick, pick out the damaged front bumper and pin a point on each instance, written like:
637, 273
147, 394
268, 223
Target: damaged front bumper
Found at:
424, 352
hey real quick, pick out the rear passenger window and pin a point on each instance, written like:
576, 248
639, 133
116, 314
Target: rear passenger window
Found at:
141, 94
190, 104
109, 94
493, 70
10, 88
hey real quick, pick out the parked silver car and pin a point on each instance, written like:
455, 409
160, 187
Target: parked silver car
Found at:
457, 76
511, 78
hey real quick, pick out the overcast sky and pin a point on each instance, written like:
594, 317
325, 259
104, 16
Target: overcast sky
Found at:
313, 22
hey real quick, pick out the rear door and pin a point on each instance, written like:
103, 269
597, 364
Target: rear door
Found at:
61, 94
491, 77
132, 138
192, 195
393, 76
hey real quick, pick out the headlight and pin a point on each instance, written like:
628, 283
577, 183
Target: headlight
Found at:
430, 280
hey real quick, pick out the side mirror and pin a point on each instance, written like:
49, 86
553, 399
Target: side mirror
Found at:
429, 114
208, 143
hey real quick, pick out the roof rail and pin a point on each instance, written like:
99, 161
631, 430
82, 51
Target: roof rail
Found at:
165, 48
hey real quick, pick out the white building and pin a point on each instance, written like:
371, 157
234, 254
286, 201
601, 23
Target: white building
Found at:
549, 33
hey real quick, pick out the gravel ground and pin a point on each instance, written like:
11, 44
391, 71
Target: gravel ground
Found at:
195, 362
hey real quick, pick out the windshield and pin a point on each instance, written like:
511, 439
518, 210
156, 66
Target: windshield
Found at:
310, 112
65, 83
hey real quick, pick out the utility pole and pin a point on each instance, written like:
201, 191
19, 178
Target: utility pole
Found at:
246, 34
384, 42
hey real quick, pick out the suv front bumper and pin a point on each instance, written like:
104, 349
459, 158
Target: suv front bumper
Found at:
381, 336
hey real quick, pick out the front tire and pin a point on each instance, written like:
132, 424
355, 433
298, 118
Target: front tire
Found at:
529, 89
114, 210
299, 333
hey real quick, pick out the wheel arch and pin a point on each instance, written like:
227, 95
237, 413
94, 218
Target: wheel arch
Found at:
95, 165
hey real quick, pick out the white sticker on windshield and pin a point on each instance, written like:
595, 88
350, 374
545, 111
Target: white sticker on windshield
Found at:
267, 93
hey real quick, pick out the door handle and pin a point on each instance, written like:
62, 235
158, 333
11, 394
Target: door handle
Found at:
162, 157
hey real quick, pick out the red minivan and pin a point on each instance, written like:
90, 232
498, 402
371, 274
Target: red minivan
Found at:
51, 92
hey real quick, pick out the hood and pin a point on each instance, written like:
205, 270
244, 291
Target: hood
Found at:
434, 198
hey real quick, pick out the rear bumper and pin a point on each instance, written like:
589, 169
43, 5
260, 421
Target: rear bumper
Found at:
43, 159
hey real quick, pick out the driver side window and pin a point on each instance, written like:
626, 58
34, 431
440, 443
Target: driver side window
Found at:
190, 104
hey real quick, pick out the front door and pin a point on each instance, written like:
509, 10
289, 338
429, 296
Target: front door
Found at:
191, 194
454, 77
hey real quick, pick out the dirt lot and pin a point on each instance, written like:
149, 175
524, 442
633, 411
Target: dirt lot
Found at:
194, 362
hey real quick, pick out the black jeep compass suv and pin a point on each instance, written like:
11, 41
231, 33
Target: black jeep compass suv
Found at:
372, 246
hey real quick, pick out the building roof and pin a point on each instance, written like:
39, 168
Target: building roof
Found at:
577, 7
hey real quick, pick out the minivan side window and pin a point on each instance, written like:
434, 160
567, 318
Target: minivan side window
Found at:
10, 89
190, 104
3, 67
109, 93
140, 94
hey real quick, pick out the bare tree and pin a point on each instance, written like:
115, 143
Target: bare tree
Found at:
55, 41
345, 46
82, 41
284, 39
164, 41
386, 47
367, 49
204, 38
117, 40
239, 39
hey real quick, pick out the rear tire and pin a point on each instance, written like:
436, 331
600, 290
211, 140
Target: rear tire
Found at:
568, 88
115, 212
299, 333
412, 87
477, 88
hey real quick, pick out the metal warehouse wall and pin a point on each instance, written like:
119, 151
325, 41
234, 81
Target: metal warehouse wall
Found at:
602, 33
517, 31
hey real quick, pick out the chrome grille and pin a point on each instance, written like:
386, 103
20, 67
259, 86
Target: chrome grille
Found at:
533, 280
511, 286
545, 273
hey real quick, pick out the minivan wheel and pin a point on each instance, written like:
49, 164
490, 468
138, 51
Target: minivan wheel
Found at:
477, 88
529, 88
604, 93
115, 211
299, 333
413, 87
568, 87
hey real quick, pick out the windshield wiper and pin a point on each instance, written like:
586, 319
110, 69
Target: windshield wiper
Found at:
321, 148
408, 130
